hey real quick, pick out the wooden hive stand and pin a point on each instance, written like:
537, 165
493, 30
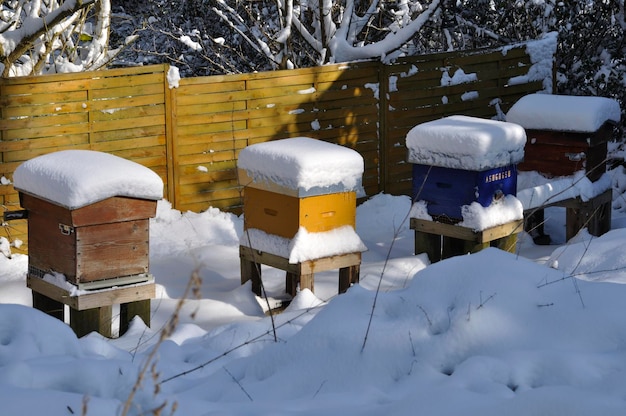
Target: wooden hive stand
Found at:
298, 274
92, 310
593, 214
440, 240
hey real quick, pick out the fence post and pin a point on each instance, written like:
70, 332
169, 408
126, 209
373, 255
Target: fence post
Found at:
169, 95
383, 104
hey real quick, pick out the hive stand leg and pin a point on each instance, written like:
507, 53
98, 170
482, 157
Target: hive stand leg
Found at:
251, 271
429, 244
306, 281
291, 283
89, 320
128, 311
534, 225
574, 221
508, 243
48, 306
601, 219
597, 219
456, 247
348, 276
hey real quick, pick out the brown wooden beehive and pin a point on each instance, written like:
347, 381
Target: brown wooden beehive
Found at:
107, 239
565, 133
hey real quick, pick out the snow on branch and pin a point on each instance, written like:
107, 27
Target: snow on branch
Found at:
343, 50
42, 34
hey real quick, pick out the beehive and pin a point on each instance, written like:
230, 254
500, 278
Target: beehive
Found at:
104, 240
299, 182
459, 160
565, 134
88, 216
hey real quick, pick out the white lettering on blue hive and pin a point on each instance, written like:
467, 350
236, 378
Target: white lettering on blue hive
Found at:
498, 176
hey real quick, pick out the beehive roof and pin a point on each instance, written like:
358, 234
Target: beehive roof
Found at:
302, 163
564, 112
468, 143
76, 178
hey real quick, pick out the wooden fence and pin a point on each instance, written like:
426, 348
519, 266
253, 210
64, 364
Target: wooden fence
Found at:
190, 134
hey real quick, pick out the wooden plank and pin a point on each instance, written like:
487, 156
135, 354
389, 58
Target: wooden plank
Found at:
464, 233
212, 105
43, 98
209, 86
48, 86
129, 112
109, 83
204, 192
140, 146
114, 209
28, 148
148, 121
124, 91
306, 267
114, 103
129, 134
93, 298
233, 205
38, 79
45, 131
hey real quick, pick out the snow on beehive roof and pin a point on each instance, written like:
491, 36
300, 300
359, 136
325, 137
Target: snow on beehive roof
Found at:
76, 178
302, 163
468, 143
563, 112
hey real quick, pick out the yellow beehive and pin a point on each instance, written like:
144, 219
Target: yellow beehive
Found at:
299, 182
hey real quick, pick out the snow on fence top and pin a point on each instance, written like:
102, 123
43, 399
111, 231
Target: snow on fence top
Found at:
302, 164
468, 143
563, 112
76, 178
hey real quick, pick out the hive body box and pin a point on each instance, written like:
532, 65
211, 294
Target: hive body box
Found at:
105, 240
565, 134
559, 153
283, 215
459, 160
446, 190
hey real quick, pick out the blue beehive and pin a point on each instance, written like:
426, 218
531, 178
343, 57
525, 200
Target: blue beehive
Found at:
459, 160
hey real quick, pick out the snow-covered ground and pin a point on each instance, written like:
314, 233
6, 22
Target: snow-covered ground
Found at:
485, 334
539, 331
